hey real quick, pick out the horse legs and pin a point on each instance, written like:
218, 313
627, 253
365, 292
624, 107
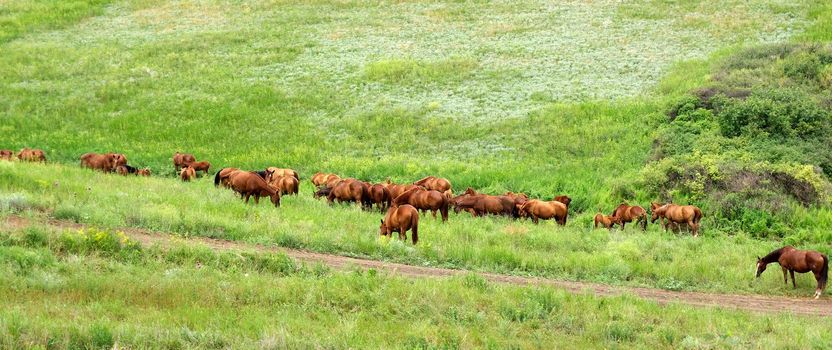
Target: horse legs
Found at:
247, 195
785, 276
433, 211
535, 219
819, 288
794, 285
693, 228
256, 199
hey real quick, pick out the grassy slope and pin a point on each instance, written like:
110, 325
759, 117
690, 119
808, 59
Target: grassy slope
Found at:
713, 262
107, 292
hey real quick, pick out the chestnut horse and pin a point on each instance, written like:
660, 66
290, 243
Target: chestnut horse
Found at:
105, 162
538, 209
31, 155
434, 183
200, 166
380, 196
188, 173
284, 184
6, 154
802, 261
350, 190
248, 184
126, 170
425, 200
400, 219
627, 213
607, 221
320, 179
483, 204
563, 199
180, 160
679, 214
396, 189
284, 172
143, 172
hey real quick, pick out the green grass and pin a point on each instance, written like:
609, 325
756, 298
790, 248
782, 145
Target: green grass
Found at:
716, 261
21, 17
191, 297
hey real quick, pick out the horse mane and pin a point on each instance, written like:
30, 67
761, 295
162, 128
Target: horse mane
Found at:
773, 256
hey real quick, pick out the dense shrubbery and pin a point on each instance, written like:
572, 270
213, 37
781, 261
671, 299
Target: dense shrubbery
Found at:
754, 144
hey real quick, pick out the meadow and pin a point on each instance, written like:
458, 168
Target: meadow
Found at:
94, 289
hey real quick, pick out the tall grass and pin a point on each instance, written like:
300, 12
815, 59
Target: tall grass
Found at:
192, 297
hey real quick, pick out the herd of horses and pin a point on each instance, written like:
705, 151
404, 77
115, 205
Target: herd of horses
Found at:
402, 203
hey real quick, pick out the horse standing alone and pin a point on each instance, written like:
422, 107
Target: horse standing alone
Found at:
802, 261
400, 219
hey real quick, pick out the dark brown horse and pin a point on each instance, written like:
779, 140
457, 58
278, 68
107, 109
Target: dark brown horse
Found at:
608, 221
627, 213
187, 174
380, 196
6, 154
400, 219
202, 166
563, 199
425, 200
320, 179
537, 209
284, 184
248, 184
435, 183
105, 162
679, 214
802, 261
181, 160
31, 155
350, 190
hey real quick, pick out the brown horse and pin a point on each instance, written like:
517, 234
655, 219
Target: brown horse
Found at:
320, 179
202, 166
187, 174
248, 184
180, 160
483, 204
679, 214
380, 196
434, 183
6, 154
802, 261
222, 176
284, 172
400, 219
563, 199
607, 221
126, 170
537, 209
627, 213
31, 155
284, 184
105, 162
397, 189
143, 172
425, 200
350, 190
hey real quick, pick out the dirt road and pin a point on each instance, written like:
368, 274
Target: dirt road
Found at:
754, 303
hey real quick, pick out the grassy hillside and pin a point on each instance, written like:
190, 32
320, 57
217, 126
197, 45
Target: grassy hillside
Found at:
110, 292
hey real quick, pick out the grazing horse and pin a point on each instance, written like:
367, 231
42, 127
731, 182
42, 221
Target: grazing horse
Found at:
425, 200
202, 166
322, 192
143, 172
608, 221
400, 219
31, 155
105, 162
627, 213
483, 204
126, 170
284, 184
434, 183
284, 172
350, 190
222, 176
380, 196
802, 261
320, 179
679, 214
538, 209
187, 174
180, 160
518, 198
563, 199
248, 184
6, 154
396, 189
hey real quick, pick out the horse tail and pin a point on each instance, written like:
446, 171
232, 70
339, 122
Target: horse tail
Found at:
414, 229
444, 209
824, 272
697, 215
217, 178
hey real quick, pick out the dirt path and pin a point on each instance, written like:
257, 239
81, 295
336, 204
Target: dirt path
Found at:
754, 303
